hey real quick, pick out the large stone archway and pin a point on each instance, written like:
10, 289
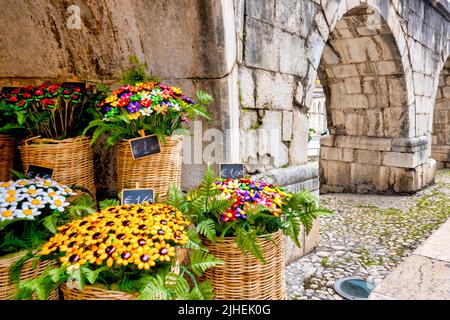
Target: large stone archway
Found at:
441, 120
369, 110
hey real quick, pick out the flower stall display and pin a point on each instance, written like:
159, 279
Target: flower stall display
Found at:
142, 109
124, 253
30, 211
51, 117
242, 221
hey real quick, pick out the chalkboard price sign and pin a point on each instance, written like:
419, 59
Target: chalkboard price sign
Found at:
39, 172
137, 196
231, 170
144, 147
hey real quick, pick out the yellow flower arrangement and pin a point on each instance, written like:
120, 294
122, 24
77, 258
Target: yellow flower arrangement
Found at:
141, 235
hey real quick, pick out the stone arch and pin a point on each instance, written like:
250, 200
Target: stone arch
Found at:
441, 119
366, 81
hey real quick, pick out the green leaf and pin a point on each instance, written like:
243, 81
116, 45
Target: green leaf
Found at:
248, 242
108, 203
208, 229
176, 198
204, 291
77, 276
194, 241
154, 290
292, 228
201, 261
92, 275
50, 223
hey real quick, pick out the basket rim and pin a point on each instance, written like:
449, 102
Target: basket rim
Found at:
169, 139
89, 287
263, 237
39, 140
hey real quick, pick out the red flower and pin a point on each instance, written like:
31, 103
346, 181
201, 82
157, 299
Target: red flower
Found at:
21, 103
77, 89
39, 92
53, 88
15, 91
66, 91
75, 97
13, 99
27, 95
49, 102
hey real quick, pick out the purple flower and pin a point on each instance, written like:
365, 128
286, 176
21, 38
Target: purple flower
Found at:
133, 107
187, 99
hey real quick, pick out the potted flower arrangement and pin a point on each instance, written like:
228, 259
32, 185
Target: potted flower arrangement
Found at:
242, 222
141, 108
53, 117
125, 252
30, 211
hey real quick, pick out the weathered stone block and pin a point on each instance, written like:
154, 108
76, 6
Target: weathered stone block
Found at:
402, 160
345, 70
337, 154
335, 173
355, 124
268, 98
298, 153
327, 141
292, 55
262, 10
262, 44
287, 125
369, 178
368, 143
353, 85
246, 88
368, 157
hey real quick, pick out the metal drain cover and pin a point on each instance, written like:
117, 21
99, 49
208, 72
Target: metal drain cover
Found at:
354, 288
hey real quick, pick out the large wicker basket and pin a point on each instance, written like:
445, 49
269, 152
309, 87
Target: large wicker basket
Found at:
94, 293
29, 271
71, 159
157, 171
6, 157
243, 277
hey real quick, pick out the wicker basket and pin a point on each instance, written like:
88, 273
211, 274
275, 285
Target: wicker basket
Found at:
98, 293
6, 157
243, 277
29, 271
71, 159
157, 171
94, 293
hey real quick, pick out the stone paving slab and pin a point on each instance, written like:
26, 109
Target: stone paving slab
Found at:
417, 278
438, 245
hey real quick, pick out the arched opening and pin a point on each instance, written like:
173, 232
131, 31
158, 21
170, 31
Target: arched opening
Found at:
441, 120
367, 107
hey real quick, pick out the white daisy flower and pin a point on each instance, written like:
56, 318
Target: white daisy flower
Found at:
146, 111
7, 213
37, 202
27, 212
58, 203
33, 191
9, 200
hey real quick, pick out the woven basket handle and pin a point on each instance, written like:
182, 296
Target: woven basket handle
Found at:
26, 141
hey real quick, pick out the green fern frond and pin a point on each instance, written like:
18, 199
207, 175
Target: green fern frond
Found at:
248, 242
208, 229
201, 261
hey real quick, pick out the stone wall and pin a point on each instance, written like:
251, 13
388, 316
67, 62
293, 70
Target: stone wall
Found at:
376, 60
441, 126
190, 43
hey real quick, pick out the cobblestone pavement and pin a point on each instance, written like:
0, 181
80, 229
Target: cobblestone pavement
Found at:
367, 236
